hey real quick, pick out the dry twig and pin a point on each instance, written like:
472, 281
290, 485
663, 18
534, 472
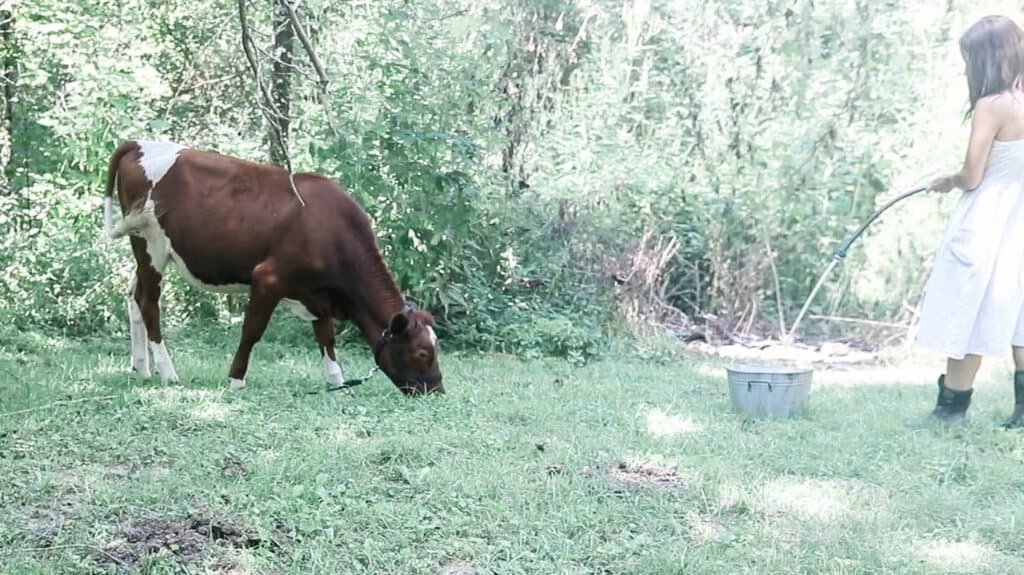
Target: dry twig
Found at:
11, 551
62, 402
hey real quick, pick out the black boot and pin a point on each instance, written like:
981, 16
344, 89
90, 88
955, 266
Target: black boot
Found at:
1017, 419
951, 405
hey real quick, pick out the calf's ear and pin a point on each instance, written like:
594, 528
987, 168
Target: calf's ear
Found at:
399, 323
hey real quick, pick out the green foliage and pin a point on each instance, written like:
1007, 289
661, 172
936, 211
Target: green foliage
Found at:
510, 155
556, 336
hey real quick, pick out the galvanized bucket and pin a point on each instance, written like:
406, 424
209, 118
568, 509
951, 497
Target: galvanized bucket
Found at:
768, 391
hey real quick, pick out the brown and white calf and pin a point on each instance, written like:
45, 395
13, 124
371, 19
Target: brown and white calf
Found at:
233, 226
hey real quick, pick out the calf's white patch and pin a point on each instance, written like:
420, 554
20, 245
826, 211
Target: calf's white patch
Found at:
332, 372
157, 158
162, 359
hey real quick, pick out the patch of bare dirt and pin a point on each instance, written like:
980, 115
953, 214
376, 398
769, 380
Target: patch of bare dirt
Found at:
233, 468
635, 475
187, 540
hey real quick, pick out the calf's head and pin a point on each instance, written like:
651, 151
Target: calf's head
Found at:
407, 353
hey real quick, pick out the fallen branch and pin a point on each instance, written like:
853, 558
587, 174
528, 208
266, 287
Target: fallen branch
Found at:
62, 402
858, 320
12, 550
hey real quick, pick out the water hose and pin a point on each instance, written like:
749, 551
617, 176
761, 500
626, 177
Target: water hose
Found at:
845, 246
841, 253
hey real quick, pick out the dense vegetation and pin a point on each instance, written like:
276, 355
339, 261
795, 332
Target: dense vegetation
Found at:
540, 172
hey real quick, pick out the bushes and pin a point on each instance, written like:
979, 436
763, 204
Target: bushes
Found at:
558, 336
511, 156
58, 272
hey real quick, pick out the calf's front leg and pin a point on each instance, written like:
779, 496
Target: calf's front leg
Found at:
263, 298
323, 327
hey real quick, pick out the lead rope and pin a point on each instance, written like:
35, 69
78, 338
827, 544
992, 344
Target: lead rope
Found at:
291, 179
349, 383
354, 382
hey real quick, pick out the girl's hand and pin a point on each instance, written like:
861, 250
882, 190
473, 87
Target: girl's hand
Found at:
942, 185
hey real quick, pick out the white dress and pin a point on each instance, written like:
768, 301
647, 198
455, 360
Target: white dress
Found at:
975, 295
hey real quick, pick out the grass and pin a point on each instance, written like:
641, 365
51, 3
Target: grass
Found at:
620, 466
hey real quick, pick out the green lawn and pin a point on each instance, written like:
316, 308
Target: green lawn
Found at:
621, 466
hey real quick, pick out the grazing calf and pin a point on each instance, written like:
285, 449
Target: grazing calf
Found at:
234, 226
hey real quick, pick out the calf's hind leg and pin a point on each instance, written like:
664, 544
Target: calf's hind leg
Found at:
137, 329
146, 298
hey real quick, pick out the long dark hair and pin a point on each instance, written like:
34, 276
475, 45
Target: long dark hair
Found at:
993, 49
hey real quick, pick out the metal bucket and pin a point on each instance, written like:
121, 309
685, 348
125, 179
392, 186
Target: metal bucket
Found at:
767, 391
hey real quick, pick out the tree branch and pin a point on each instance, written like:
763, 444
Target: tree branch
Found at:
317, 65
267, 108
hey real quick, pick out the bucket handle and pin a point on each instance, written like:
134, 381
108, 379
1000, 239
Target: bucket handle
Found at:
750, 385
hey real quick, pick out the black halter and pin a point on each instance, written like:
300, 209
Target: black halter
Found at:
401, 377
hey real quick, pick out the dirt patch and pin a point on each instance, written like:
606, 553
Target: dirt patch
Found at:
639, 475
232, 467
133, 469
187, 540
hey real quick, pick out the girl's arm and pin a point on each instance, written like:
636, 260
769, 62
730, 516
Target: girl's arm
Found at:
985, 123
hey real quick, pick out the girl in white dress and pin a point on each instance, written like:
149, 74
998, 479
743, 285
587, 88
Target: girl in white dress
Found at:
974, 299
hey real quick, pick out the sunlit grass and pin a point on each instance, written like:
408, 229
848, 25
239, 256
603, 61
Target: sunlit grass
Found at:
618, 466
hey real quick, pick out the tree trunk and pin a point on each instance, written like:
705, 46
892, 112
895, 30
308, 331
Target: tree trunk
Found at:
281, 79
8, 72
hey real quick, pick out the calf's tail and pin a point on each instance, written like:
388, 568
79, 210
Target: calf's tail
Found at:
108, 205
